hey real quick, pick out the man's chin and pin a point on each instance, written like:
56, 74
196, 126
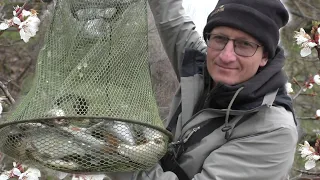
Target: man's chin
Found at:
225, 80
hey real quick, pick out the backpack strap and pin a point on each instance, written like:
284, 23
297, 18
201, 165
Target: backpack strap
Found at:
169, 161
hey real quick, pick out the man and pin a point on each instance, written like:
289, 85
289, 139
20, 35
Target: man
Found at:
231, 118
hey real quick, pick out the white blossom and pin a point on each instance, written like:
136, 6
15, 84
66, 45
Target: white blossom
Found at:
30, 174
4, 26
305, 149
4, 177
16, 171
27, 22
301, 36
306, 50
304, 40
16, 20
24, 12
308, 86
289, 88
316, 79
1, 108
311, 163
308, 153
318, 113
29, 28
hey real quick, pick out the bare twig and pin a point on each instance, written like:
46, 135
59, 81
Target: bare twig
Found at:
307, 118
300, 91
296, 82
24, 70
309, 94
318, 50
296, 177
6, 92
307, 172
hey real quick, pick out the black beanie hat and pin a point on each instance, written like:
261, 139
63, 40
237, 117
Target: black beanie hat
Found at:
261, 19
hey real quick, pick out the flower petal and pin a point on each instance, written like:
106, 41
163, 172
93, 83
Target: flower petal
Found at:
1, 108
4, 177
311, 44
302, 31
316, 79
16, 20
16, 171
28, 176
309, 164
4, 26
301, 39
34, 171
305, 52
289, 87
25, 13
316, 157
24, 36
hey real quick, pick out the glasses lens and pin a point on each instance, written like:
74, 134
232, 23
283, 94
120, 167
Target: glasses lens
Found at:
217, 42
244, 48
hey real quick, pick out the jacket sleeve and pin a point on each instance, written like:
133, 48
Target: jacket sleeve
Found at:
267, 156
176, 30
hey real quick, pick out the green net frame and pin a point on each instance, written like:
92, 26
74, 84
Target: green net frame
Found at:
91, 108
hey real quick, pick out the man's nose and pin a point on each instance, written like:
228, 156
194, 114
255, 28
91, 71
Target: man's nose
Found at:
228, 55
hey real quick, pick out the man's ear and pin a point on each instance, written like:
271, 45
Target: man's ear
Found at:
264, 59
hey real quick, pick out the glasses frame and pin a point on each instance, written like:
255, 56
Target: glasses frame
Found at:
208, 35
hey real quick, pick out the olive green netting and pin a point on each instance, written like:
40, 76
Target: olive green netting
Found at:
92, 107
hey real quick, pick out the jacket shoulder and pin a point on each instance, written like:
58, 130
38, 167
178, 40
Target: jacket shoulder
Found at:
267, 120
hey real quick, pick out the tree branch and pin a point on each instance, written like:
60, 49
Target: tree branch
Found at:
5, 90
307, 172
307, 118
300, 91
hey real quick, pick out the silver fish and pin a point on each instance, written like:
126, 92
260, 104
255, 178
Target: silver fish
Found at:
56, 164
82, 135
123, 131
146, 153
152, 134
53, 145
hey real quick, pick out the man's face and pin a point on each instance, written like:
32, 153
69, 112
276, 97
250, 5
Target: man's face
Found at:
226, 66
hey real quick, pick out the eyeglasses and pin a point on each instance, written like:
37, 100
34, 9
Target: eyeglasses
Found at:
241, 47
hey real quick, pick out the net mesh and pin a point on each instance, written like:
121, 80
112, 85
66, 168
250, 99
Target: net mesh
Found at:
92, 107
